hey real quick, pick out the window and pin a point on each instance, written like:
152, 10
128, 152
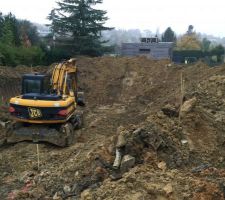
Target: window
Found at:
31, 86
145, 50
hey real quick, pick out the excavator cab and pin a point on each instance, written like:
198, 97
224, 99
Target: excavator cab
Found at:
37, 86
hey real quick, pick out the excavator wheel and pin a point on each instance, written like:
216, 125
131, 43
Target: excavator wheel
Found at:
68, 130
79, 120
60, 135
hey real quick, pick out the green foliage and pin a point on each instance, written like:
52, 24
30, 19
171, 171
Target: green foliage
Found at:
79, 20
169, 35
218, 51
19, 42
211, 56
13, 56
7, 31
55, 55
180, 55
205, 44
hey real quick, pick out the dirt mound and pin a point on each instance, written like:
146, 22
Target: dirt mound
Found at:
174, 141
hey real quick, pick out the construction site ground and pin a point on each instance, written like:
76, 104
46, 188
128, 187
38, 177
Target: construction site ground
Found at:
174, 119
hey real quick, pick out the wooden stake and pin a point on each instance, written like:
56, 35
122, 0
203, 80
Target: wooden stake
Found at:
181, 95
38, 157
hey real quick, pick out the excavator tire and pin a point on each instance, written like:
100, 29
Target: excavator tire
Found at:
69, 132
62, 135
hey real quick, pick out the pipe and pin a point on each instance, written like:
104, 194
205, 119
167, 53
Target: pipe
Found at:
118, 159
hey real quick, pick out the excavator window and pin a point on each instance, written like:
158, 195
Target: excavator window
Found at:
38, 87
31, 86
37, 84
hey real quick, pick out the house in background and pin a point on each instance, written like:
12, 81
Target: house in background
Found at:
150, 47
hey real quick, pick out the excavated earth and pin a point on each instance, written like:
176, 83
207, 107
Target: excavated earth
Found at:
173, 119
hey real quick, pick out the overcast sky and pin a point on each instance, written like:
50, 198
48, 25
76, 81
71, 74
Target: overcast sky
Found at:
207, 16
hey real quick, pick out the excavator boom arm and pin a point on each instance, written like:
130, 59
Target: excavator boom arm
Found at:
60, 75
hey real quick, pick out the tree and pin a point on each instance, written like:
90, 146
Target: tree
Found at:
1, 23
79, 20
190, 29
205, 44
7, 33
218, 51
169, 35
28, 33
11, 22
189, 42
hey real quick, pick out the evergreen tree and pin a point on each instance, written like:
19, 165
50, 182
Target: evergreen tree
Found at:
169, 35
10, 34
7, 33
190, 29
81, 21
1, 23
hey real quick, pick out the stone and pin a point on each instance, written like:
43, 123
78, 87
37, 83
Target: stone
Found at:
168, 189
86, 195
138, 131
127, 163
162, 166
170, 111
56, 197
77, 173
115, 176
187, 106
27, 176
37, 193
67, 189
161, 115
121, 141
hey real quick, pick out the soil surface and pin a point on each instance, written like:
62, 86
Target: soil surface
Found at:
171, 117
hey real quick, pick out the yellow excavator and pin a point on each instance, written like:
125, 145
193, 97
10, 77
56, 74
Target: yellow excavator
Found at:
46, 110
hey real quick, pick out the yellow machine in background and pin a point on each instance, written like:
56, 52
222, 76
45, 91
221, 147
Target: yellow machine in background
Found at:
47, 108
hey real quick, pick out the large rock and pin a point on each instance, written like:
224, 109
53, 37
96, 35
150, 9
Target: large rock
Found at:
187, 106
127, 163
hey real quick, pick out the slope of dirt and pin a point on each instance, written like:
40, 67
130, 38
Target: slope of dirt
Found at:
175, 157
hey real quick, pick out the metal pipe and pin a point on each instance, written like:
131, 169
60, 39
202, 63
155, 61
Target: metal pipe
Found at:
118, 159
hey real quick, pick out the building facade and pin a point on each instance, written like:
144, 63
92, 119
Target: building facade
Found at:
150, 47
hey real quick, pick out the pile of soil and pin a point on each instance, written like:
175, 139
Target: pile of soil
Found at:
176, 139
